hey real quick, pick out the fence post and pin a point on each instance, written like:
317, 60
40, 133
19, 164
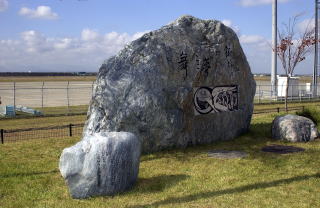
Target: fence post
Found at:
14, 96
278, 109
2, 136
302, 108
42, 95
300, 93
291, 91
270, 98
92, 88
70, 130
68, 97
259, 93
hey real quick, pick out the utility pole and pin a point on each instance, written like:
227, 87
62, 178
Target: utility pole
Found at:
274, 50
316, 51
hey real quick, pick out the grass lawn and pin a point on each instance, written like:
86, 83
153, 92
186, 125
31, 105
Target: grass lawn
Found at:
34, 122
29, 176
302, 78
65, 110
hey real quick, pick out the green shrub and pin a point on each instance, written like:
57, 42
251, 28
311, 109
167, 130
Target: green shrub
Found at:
312, 113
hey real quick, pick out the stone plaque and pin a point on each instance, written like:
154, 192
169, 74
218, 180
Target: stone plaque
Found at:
215, 99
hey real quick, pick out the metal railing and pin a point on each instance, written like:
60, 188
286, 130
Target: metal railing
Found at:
75, 130
16, 135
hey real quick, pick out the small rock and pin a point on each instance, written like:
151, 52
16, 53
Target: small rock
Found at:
104, 163
294, 128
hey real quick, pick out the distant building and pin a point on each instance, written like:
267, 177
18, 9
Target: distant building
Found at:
293, 86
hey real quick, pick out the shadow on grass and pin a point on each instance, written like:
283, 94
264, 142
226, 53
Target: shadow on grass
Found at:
258, 136
158, 183
27, 174
202, 195
260, 130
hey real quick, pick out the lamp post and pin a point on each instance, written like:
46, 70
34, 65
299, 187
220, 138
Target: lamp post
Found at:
274, 48
316, 52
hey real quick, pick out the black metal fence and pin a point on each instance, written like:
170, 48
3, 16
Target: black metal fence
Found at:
70, 130
278, 110
16, 135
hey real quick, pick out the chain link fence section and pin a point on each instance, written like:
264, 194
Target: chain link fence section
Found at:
53, 98
64, 96
296, 93
16, 135
46, 94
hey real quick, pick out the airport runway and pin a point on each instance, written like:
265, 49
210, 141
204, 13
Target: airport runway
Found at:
46, 94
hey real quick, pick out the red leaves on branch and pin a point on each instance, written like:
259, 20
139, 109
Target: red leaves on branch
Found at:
293, 48
286, 42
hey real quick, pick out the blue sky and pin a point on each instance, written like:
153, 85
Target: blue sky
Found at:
77, 35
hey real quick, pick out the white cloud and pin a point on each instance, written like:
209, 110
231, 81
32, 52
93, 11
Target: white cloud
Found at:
258, 52
89, 35
229, 23
35, 42
306, 24
38, 52
3, 5
139, 34
251, 39
64, 43
41, 12
250, 3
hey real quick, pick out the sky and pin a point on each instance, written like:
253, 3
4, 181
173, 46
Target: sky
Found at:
78, 35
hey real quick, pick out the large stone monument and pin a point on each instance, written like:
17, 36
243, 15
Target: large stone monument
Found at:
187, 83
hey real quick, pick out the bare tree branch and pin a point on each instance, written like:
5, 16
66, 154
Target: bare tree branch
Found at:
293, 47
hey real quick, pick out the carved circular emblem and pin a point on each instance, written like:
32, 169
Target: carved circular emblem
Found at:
203, 100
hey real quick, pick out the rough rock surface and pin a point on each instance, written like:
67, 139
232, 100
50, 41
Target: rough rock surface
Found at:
105, 163
187, 83
294, 128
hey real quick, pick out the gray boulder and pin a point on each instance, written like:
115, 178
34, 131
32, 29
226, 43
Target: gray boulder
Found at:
187, 83
105, 163
294, 128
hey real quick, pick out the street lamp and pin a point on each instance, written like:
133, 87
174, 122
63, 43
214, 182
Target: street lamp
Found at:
274, 48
